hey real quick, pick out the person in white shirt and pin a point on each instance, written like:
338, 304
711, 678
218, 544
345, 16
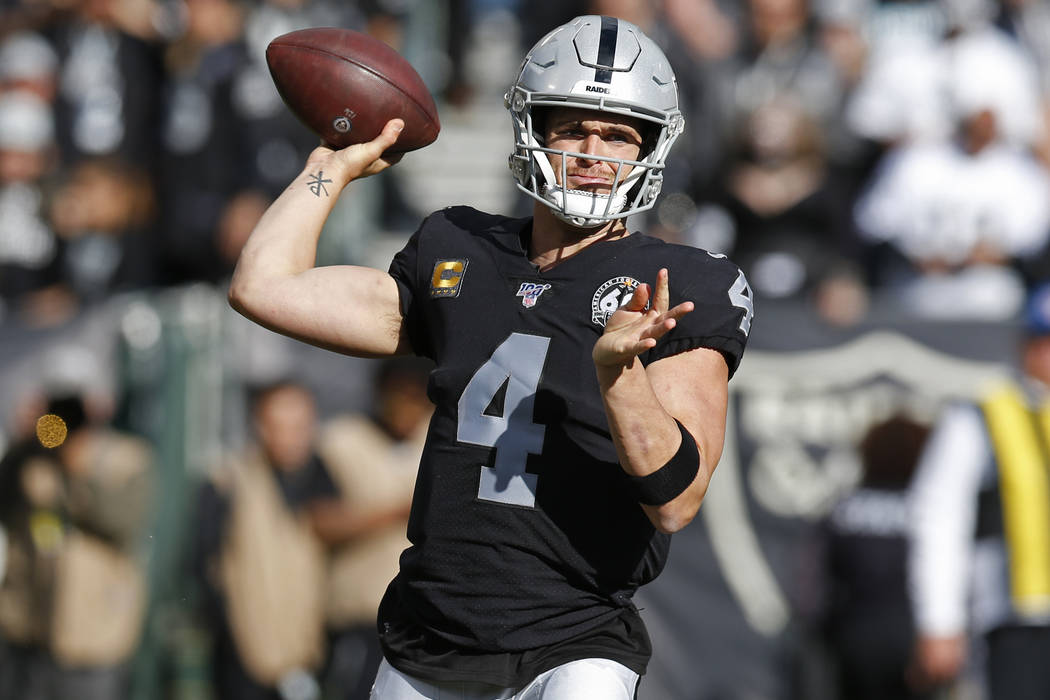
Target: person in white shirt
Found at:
980, 555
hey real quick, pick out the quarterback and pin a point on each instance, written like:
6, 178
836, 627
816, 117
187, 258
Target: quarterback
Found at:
580, 386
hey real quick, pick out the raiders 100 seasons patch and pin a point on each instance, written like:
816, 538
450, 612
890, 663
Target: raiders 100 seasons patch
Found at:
611, 296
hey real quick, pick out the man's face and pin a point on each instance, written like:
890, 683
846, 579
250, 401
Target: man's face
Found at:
1036, 358
593, 133
286, 422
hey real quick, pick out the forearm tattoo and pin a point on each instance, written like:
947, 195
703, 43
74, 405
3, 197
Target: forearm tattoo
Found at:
317, 183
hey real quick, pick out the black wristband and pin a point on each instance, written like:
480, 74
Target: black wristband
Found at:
669, 481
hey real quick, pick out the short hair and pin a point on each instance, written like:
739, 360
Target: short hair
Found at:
257, 393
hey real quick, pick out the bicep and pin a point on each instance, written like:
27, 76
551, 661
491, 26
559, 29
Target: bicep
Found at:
345, 308
693, 387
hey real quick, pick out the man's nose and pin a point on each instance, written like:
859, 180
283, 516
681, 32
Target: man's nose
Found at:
592, 145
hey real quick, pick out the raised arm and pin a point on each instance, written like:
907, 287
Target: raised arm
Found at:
645, 407
349, 309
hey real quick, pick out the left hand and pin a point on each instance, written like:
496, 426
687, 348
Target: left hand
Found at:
632, 329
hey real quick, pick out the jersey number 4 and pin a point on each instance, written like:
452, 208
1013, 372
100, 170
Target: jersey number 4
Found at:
513, 370
740, 296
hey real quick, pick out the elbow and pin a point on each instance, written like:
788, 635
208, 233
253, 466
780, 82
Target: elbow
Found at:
240, 294
674, 515
671, 518
669, 526
235, 296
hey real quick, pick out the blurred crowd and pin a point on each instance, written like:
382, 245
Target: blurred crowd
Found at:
848, 154
839, 150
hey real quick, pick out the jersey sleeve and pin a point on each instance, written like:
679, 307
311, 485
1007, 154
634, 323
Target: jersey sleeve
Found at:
404, 268
721, 319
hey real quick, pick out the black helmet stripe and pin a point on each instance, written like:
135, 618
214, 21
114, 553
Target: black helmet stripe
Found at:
606, 50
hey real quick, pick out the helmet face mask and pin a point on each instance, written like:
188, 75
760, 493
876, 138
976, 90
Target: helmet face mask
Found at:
606, 65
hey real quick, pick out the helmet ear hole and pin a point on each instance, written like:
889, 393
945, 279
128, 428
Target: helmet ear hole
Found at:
540, 116
650, 138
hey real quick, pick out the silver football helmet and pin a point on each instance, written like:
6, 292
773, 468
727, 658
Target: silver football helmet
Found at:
605, 64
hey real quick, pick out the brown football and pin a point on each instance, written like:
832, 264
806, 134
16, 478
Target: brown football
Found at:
345, 85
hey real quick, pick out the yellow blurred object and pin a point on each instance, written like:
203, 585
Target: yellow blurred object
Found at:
1025, 492
45, 527
51, 430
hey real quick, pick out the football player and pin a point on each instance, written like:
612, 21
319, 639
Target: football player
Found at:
580, 382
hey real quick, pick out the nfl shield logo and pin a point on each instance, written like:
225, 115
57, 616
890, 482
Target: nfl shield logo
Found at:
530, 293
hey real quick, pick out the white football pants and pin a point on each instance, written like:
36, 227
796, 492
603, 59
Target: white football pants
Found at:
586, 679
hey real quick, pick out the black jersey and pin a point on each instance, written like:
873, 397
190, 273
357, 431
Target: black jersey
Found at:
524, 533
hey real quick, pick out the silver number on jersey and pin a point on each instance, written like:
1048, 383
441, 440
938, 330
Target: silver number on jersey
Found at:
518, 363
740, 296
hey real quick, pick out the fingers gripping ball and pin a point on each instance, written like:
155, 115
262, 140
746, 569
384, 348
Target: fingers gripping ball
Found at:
345, 86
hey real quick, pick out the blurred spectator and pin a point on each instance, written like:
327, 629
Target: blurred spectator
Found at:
782, 56
1028, 22
537, 18
794, 234
841, 31
917, 86
952, 219
699, 39
458, 90
842, 34
206, 182
987, 69
781, 172
228, 142
373, 458
868, 625
278, 142
262, 565
28, 246
74, 501
708, 31
980, 559
29, 63
108, 101
896, 96
103, 212
958, 206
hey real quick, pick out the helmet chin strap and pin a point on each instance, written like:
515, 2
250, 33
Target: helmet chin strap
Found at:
578, 207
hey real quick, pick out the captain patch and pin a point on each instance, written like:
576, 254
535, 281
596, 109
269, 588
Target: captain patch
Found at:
447, 279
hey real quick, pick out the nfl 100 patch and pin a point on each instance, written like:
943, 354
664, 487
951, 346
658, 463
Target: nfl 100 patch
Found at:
530, 293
